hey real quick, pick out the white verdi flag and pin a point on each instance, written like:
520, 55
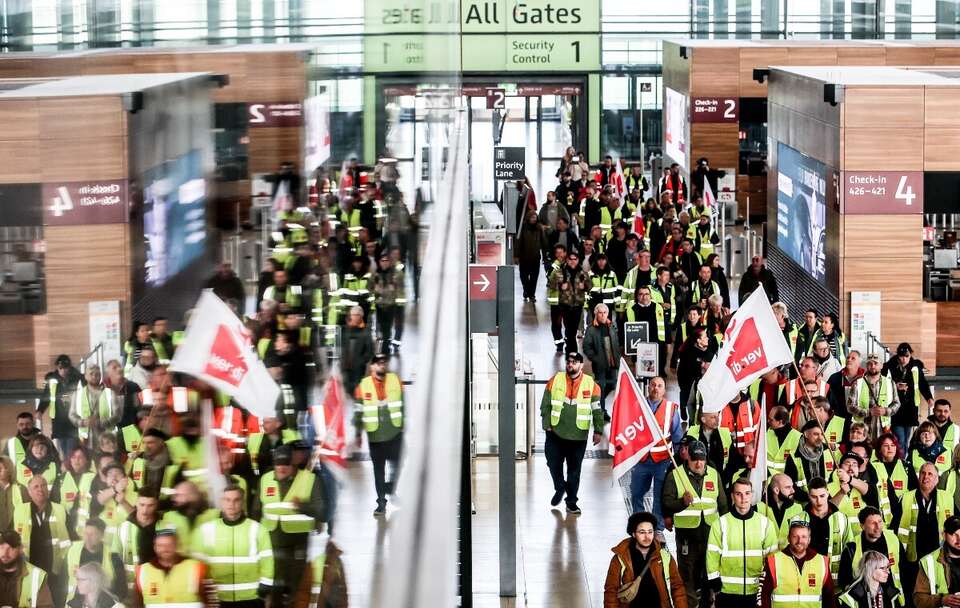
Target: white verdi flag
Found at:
753, 344
709, 200
216, 348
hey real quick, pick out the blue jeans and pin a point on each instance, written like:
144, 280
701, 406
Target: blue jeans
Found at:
643, 475
903, 433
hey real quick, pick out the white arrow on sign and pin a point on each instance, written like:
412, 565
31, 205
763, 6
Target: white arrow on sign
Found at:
484, 283
635, 345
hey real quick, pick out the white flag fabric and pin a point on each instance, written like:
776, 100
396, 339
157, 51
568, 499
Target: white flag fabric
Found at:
758, 474
753, 344
709, 200
216, 348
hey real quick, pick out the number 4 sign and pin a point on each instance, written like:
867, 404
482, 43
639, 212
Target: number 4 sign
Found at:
882, 192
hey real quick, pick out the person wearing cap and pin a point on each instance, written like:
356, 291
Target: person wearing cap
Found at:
841, 383
380, 415
716, 439
829, 530
571, 401
948, 430
798, 576
652, 468
170, 579
133, 541
238, 552
938, 578
95, 408
91, 549
42, 524
849, 487
604, 286
812, 459
645, 310
571, 282
908, 377
642, 572
55, 400
874, 537
873, 399
21, 583
736, 546
291, 504
389, 294
693, 497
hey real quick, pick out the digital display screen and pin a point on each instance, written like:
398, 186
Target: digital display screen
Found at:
806, 218
676, 109
174, 218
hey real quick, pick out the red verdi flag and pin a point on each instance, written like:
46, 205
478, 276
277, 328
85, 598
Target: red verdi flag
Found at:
216, 348
633, 429
328, 422
753, 344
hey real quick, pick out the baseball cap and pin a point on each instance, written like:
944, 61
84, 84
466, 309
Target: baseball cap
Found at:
380, 358
950, 526
63, 361
575, 356
873, 357
904, 349
697, 451
852, 456
282, 455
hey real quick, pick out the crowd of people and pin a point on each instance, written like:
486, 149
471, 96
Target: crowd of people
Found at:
138, 486
859, 503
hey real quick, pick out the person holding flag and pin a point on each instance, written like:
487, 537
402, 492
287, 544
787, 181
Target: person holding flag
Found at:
652, 468
570, 403
694, 498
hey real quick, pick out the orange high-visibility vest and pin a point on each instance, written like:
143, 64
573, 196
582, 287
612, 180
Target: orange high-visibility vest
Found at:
744, 425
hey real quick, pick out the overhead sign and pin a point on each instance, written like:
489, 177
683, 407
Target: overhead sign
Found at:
95, 202
882, 192
509, 163
530, 52
275, 114
483, 298
496, 99
714, 109
635, 333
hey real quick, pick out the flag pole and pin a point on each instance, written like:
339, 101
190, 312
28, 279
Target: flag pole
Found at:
810, 403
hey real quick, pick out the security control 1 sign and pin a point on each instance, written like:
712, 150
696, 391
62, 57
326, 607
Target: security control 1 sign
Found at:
73, 203
509, 163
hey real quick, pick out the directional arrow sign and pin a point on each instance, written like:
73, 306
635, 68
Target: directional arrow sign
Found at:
483, 282
635, 333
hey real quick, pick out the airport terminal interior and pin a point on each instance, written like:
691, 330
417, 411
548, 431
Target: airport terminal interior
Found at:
479, 303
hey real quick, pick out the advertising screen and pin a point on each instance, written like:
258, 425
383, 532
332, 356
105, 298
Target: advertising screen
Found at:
676, 109
805, 214
174, 218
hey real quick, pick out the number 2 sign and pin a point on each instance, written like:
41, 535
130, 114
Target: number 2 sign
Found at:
715, 109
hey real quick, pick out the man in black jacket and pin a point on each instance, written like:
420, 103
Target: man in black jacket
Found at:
757, 275
58, 388
227, 286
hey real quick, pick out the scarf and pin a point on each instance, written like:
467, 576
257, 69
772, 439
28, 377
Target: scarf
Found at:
930, 453
810, 453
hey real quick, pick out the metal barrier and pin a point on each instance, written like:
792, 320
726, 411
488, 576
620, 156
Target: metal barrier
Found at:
875, 346
94, 356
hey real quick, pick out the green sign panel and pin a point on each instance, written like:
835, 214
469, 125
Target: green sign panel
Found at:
531, 53
495, 35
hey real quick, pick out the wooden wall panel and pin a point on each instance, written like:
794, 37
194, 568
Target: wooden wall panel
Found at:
84, 263
99, 117
762, 57
926, 350
939, 107
82, 159
717, 141
19, 161
861, 55
895, 276
941, 149
948, 334
811, 55
877, 108
42, 357
909, 55
20, 119
870, 149
947, 55
872, 235
270, 146
16, 348
900, 321
275, 77
711, 74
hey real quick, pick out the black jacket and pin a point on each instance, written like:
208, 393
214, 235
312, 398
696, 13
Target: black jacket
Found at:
909, 411
750, 282
859, 593
62, 427
573, 243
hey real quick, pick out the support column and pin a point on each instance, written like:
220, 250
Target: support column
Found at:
769, 19
903, 19
66, 36
269, 20
213, 22
296, 20
19, 22
506, 430
866, 23
839, 13
700, 27
721, 19
946, 19
104, 16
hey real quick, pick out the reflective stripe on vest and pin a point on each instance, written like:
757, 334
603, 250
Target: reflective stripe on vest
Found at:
583, 400
30, 593
885, 394
935, 573
282, 511
178, 588
793, 588
52, 407
704, 506
664, 417
81, 407
371, 403
234, 556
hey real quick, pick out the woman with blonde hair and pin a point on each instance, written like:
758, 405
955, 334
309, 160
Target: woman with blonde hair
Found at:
873, 587
92, 589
